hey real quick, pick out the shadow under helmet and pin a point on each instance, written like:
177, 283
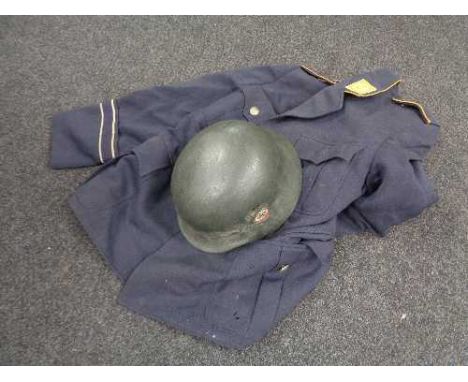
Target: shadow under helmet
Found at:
234, 183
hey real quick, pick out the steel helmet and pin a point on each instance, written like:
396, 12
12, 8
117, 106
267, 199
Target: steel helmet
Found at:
233, 183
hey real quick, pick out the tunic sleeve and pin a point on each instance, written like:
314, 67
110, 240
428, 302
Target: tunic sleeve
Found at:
96, 134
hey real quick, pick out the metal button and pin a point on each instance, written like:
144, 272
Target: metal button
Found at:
282, 268
254, 110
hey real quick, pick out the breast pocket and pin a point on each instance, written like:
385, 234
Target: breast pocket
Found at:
324, 167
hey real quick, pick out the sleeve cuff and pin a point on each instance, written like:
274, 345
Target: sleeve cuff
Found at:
84, 137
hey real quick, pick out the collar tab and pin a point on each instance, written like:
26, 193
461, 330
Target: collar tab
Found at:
371, 83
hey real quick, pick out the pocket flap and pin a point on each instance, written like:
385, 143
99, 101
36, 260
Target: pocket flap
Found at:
318, 151
152, 155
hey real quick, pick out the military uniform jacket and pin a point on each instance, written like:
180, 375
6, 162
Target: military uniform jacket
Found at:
361, 148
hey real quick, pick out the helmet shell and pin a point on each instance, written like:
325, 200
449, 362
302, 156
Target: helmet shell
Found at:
233, 183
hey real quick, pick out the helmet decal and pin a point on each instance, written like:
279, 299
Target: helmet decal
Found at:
262, 215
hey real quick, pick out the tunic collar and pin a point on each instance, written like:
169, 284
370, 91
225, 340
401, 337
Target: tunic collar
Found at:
331, 98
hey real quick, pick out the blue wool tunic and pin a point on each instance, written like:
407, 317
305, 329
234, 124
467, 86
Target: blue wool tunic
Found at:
361, 148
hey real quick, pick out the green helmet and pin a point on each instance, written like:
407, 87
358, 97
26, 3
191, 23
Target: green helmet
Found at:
233, 183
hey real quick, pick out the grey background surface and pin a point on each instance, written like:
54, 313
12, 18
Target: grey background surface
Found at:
397, 300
